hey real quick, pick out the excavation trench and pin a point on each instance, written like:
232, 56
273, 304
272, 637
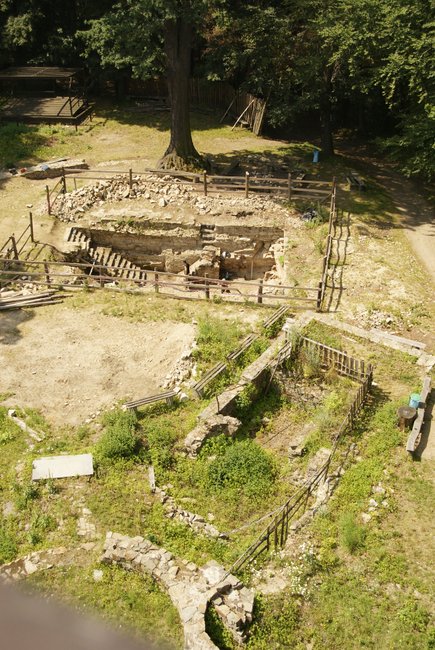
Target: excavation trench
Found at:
220, 251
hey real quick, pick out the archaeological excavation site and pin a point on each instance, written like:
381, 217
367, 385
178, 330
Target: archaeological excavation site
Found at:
181, 411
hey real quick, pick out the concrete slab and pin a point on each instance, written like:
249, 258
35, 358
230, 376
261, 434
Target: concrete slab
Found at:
62, 466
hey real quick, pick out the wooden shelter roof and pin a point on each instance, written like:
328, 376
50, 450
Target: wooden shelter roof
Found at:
34, 72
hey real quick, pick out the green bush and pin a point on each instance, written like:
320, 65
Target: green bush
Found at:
243, 468
119, 439
352, 534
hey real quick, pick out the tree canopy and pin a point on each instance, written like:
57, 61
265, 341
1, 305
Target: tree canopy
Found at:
361, 64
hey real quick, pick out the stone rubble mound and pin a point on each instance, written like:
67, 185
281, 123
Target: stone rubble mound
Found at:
192, 589
160, 192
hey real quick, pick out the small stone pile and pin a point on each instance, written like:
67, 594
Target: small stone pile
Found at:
184, 369
160, 192
191, 589
378, 501
194, 521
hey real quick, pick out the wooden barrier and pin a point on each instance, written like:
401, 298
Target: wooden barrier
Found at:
59, 273
276, 533
415, 435
296, 188
146, 401
336, 359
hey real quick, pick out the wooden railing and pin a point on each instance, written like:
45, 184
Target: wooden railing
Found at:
276, 533
12, 249
336, 359
50, 273
328, 251
291, 187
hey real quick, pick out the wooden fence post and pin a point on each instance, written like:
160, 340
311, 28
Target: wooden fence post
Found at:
207, 287
14, 246
319, 297
289, 187
63, 181
47, 192
32, 234
246, 184
205, 182
130, 178
260, 292
156, 280
47, 274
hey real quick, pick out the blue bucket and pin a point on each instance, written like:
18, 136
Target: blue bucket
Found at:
414, 400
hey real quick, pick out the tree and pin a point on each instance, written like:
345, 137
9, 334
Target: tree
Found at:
148, 37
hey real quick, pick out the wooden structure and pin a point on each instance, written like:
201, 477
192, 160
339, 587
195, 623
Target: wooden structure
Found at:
43, 95
276, 533
292, 187
355, 181
168, 397
415, 435
209, 376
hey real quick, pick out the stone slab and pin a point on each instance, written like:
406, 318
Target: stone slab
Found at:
62, 466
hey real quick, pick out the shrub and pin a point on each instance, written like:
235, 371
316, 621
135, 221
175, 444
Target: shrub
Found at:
119, 439
352, 534
243, 468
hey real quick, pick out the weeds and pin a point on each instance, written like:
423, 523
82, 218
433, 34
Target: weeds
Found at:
352, 534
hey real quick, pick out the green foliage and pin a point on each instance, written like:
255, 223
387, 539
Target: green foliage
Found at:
129, 600
161, 438
8, 546
217, 631
241, 468
39, 526
24, 494
119, 439
352, 534
216, 338
276, 620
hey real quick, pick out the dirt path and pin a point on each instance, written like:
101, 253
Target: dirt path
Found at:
417, 215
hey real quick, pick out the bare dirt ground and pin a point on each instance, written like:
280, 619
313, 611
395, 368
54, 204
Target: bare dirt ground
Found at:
71, 364
417, 215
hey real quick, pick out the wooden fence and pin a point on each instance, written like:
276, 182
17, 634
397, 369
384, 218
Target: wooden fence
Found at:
11, 250
213, 95
61, 274
276, 533
336, 359
328, 251
291, 187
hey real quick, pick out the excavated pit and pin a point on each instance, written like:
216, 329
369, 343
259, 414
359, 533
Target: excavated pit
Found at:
226, 251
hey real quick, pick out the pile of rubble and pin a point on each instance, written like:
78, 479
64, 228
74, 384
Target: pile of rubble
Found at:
191, 589
378, 319
161, 192
194, 521
184, 369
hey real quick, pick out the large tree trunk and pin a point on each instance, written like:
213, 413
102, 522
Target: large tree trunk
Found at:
327, 142
180, 154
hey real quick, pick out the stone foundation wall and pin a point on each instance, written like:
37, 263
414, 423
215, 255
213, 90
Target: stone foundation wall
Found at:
191, 589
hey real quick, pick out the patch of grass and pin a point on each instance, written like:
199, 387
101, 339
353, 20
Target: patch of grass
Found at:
276, 622
352, 534
130, 601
